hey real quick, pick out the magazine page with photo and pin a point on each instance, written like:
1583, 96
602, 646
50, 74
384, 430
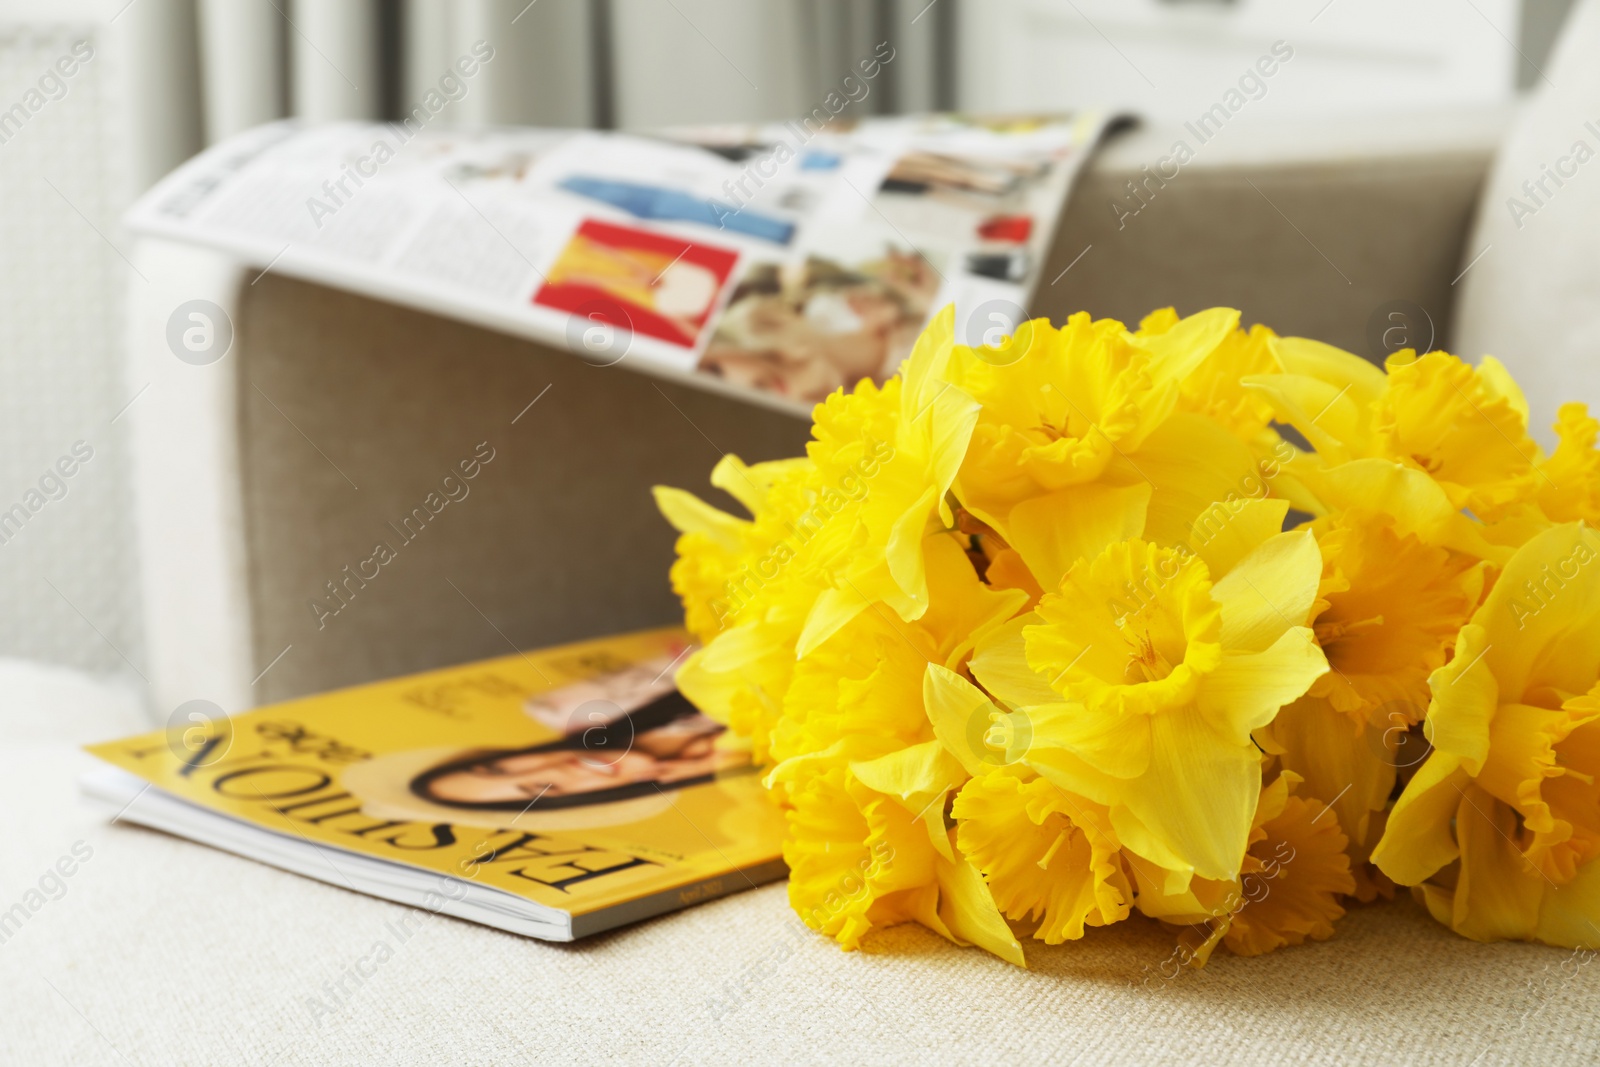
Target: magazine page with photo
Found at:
776, 261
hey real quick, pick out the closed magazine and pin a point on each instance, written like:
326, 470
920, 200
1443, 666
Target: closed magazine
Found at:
553, 793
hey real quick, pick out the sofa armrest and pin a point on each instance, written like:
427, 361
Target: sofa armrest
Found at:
1308, 226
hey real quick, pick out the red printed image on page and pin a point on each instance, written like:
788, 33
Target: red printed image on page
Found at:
651, 283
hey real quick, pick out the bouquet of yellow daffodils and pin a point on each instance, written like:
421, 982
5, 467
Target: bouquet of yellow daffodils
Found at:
1221, 626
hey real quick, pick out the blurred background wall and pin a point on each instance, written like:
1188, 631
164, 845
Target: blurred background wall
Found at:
154, 81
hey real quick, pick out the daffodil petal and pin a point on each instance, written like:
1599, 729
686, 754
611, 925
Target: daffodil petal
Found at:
1197, 798
1338, 758
1189, 462
833, 609
713, 675
1417, 840
1360, 378
1500, 383
1155, 862
1465, 695
1326, 413
1540, 618
1269, 591
1248, 688
952, 703
1497, 894
1228, 531
1115, 745
1183, 347
920, 776
968, 909
924, 368
689, 514
960, 605
1054, 531
1000, 662
1569, 915
1418, 503
903, 553
1045, 854
913, 771
748, 484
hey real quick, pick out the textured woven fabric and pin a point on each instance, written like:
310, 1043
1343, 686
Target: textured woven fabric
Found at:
64, 177
163, 952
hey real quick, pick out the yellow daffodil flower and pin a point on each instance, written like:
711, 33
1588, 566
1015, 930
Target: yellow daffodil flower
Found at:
1569, 481
828, 536
1143, 676
1215, 388
859, 860
917, 427
1499, 827
1288, 888
1423, 439
1293, 876
1047, 856
1091, 403
1387, 613
856, 748
712, 574
1022, 639
745, 596
865, 682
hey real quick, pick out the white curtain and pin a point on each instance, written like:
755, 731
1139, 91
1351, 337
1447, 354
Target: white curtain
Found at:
168, 77
219, 66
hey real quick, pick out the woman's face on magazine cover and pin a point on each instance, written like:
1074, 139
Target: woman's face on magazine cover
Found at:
671, 753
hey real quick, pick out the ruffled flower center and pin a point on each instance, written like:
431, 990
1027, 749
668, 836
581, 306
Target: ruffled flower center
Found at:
1440, 415
1134, 629
1544, 763
1393, 605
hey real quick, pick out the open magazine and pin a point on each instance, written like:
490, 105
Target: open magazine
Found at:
552, 794
778, 261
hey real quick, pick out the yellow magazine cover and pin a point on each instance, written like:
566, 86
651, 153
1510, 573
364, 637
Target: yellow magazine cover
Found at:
553, 793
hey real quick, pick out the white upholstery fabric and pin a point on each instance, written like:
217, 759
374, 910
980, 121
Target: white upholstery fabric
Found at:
44, 703
164, 952
1533, 299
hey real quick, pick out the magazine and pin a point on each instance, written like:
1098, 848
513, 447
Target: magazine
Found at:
552, 794
776, 261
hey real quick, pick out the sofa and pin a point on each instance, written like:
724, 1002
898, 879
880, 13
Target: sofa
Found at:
262, 475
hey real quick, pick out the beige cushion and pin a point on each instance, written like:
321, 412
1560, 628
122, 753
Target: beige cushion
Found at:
353, 411
162, 951
1310, 226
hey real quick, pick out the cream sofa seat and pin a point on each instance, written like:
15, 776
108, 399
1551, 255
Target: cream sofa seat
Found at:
158, 951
